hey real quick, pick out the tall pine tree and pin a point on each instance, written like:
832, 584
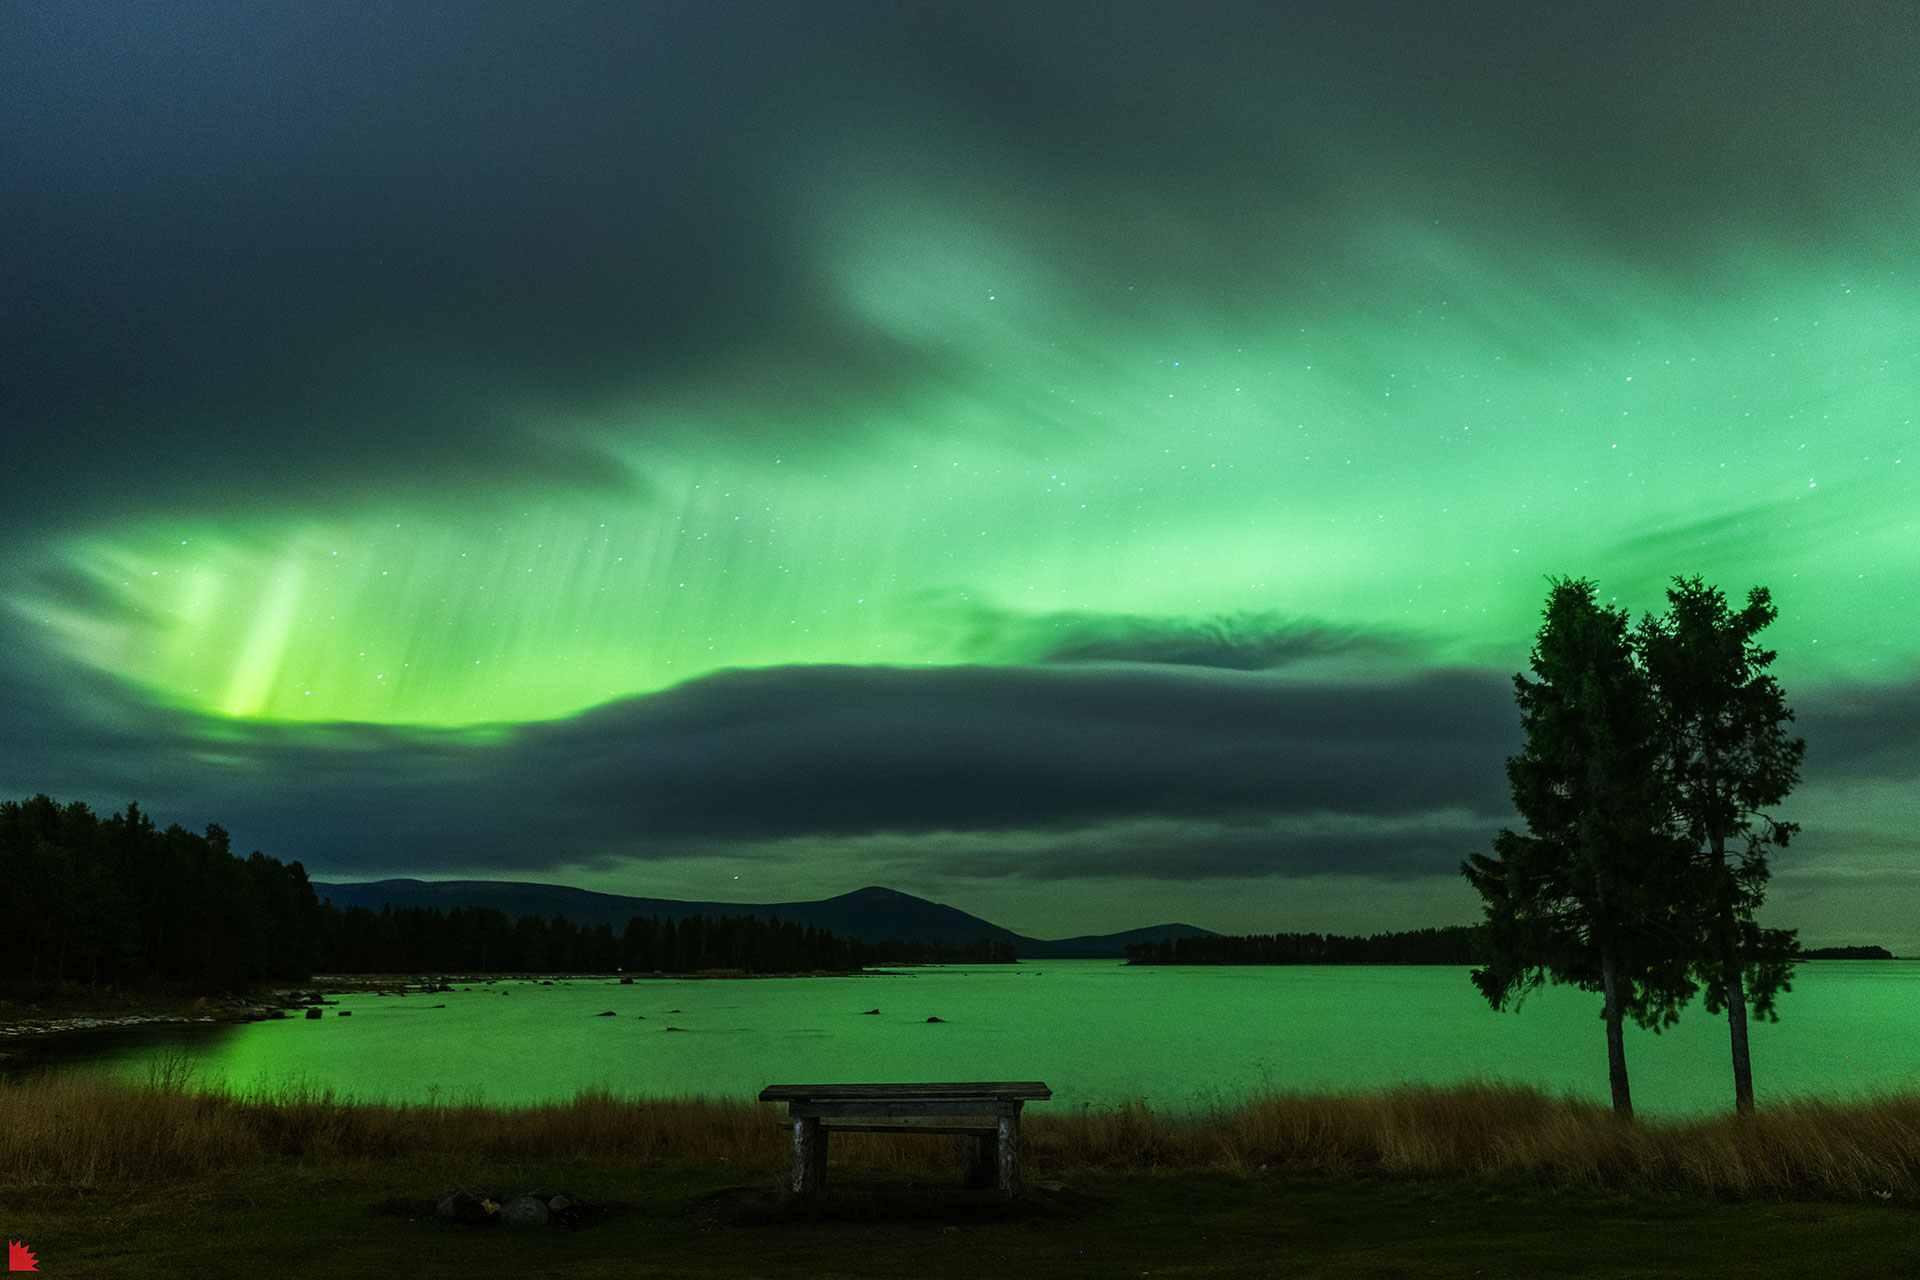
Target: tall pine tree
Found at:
1727, 756
1595, 894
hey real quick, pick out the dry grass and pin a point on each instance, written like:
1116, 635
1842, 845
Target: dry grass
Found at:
79, 1129
82, 1128
1795, 1149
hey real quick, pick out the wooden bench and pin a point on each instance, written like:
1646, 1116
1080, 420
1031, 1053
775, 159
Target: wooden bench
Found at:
986, 1116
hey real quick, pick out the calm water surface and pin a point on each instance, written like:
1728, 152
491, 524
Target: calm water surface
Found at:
1096, 1031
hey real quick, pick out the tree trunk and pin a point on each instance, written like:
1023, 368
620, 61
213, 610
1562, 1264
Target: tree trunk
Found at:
1616, 1033
1737, 1025
1736, 994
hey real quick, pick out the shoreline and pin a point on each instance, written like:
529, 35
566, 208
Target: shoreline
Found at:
32, 1028
80, 1015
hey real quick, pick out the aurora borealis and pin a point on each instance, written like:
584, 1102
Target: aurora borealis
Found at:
1090, 463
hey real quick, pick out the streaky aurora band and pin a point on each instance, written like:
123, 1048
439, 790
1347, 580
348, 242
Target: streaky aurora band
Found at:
1405, 455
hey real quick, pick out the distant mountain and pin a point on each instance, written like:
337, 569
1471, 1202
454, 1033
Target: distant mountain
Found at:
1099, 946
872, 914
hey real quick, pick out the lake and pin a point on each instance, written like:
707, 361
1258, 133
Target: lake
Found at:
1098, 1032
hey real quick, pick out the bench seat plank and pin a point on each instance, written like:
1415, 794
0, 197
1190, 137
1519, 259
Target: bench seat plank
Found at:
877, 1111
932, 1126
1024, 1090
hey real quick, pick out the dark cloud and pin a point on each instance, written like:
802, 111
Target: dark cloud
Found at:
961, 774
852, 750
268, 253
1658, 129
749, 757
1389, 849
1235, 642
1859, 730
298, 249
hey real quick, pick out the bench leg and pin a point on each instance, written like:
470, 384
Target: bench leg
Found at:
977, 1156
1009, 1179
809, 1157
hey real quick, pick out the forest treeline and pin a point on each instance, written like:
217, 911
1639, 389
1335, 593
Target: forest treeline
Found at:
118, 901
481, 939
1450, 945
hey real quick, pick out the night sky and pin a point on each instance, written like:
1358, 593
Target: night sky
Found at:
1094, 464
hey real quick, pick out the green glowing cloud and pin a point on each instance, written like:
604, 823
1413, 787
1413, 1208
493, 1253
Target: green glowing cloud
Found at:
1406, 452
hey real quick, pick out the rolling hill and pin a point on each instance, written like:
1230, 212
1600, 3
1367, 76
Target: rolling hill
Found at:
872, 914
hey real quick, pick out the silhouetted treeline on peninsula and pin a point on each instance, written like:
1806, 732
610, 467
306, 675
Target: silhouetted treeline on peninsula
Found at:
116, 901
479, 939
1450, 945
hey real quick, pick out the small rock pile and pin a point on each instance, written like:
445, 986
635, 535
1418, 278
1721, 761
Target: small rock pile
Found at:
542, 1207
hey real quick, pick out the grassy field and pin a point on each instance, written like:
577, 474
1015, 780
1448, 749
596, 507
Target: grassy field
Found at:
106, 1179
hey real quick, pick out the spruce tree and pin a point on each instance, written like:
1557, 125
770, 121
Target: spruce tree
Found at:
1595, 894
1727, 755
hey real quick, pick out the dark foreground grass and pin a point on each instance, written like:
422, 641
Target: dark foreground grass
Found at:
707, 1220
106, 1179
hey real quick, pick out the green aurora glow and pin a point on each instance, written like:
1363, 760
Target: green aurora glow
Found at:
1407, 456
1091, 462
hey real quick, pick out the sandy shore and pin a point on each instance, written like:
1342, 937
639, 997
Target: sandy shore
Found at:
78, 1015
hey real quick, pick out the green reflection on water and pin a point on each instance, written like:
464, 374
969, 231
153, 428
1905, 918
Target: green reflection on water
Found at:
1095, 1031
